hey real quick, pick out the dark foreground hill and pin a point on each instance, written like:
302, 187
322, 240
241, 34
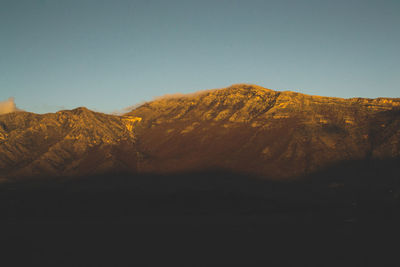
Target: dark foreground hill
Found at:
347, 215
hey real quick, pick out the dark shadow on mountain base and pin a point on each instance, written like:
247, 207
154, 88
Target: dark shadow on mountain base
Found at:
347, 215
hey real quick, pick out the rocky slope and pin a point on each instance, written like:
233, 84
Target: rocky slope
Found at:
69, 142
243, 128
251, 129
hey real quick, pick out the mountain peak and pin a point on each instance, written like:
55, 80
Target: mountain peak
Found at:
79, 110
246, 102
245, 86
254, 129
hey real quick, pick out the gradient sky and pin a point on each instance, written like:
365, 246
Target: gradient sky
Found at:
107, 55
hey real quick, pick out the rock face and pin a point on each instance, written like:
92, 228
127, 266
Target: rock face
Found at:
251, 129
242, 128
70, 142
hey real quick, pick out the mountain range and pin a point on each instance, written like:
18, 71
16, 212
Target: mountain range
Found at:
240, 176
243, 128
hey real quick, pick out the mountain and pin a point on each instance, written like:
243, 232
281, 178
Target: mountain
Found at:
175, 178
242, 128
65, 143
252, 129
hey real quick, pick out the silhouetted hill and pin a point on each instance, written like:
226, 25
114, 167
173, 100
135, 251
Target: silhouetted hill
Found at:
346, 215
343, 185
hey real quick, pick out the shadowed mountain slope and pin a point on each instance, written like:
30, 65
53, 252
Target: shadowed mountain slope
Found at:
255, 130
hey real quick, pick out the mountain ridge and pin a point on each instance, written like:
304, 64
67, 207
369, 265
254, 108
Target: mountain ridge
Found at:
53, 143
243, 128
280, 133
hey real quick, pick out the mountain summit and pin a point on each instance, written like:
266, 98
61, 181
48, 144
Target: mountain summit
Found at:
249, 128
242, 128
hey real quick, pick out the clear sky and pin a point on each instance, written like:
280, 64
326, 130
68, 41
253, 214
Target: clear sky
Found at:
107, 55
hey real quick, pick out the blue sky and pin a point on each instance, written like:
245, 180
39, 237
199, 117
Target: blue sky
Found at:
108, 55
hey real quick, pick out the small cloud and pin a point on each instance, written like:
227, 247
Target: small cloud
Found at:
166, 97
8, 106
127, 109
180, 95
163, 97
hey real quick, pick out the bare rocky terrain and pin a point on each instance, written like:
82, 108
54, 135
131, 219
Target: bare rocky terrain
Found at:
66, 143
242, 128
273, 134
